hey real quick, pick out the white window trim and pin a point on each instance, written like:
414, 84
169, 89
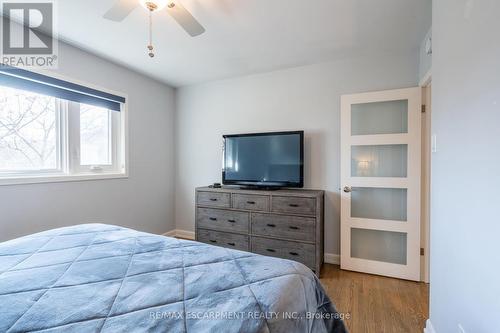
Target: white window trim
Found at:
84, 174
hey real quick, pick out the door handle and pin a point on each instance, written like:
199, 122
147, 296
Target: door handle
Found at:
347, 189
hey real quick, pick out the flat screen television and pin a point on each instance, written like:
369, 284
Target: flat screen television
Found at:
264, 159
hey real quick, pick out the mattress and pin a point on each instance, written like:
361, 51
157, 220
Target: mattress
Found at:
103, 278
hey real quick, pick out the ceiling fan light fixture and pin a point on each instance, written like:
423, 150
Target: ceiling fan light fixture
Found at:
154, 5
122, 8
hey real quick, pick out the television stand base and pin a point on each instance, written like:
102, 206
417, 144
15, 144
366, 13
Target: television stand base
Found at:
260, 188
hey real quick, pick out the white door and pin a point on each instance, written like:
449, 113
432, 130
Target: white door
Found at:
380, 177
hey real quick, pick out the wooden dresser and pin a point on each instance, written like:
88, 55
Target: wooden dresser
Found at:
283, 223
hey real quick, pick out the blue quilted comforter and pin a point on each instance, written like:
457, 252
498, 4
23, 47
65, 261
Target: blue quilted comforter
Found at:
102, 278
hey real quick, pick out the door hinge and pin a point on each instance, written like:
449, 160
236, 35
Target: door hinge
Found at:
422, 251
423, 108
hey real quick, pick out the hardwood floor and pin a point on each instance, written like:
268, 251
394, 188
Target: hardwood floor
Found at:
377, 304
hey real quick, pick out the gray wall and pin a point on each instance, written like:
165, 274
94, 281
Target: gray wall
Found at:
465, 226
305, 98
425, 59
143, 201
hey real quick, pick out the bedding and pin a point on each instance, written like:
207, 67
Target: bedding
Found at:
102, 278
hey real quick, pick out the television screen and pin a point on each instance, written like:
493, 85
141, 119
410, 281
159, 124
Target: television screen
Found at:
264, 159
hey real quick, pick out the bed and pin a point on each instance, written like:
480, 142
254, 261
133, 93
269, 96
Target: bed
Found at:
103, 278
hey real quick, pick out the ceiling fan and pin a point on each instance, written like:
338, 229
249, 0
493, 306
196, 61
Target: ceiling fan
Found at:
122, 8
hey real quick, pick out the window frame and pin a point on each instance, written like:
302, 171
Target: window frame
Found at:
68, 149
74, 147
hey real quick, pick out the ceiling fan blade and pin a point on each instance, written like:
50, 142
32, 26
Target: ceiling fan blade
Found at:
120, 10
185, 19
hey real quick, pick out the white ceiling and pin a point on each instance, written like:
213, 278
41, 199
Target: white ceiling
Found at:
246, 36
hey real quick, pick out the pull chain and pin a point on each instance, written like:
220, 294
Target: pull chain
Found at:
150, 46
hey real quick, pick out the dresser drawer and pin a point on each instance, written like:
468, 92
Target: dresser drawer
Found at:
303, 253
294, 205
251, 202
225, 220
291, 227
213, 199
224, 239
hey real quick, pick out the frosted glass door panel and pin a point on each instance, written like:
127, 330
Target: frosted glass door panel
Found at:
379, 203
379, 118
379, 161
386, 246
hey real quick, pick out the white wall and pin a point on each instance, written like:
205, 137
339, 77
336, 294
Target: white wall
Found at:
465, 224
304, 98
143, 201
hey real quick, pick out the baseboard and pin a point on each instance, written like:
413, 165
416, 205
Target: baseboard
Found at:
185, 234
331, 258
171, 233
428, 327
180, 233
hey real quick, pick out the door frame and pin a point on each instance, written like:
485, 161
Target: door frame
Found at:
410, 271
426, 85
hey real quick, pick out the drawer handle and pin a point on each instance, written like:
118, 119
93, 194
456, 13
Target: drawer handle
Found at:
270, 250
294, 253
251, 202
293, 205
271, 225
294, 228
232, 244
213, 199
231, 221
213, 241
212, 219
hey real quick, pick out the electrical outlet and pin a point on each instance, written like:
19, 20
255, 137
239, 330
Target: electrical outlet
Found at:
461, 329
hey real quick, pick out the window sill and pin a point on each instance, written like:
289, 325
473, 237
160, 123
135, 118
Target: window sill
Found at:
58, 178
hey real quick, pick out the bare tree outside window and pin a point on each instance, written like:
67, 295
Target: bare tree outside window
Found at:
28, 133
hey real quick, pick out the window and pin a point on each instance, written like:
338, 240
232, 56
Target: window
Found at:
43, 136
